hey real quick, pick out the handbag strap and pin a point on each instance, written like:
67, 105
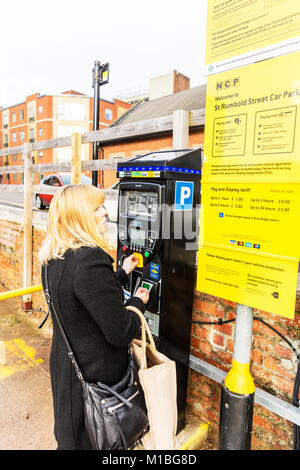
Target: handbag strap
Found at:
145, 329
52, 308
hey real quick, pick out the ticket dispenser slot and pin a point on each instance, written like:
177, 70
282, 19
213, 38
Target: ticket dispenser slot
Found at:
154, 192
136, 281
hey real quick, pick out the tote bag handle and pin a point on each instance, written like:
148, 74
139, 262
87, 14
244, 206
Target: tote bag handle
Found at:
145, 328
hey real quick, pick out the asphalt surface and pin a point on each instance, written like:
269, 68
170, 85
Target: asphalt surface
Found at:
26, 410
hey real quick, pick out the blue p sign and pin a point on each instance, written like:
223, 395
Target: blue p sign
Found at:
184, 192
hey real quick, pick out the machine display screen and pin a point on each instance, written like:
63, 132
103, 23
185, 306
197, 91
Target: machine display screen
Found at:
137, 236
141, 204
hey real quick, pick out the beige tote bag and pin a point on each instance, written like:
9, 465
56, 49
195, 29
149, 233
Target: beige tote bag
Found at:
157, 375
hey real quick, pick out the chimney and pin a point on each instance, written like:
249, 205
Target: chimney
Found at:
168, 84
180, 82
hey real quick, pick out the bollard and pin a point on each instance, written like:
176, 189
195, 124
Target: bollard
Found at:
237, 395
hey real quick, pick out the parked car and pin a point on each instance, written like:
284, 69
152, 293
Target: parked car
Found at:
42, 199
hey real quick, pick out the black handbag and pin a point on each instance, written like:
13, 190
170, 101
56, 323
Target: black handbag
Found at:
115, 416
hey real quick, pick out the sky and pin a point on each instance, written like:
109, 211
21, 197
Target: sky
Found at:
51, 47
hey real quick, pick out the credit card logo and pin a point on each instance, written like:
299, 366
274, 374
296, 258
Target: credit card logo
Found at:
256, 246
154, 271
248, 245
233, 242
240, 243
221, 214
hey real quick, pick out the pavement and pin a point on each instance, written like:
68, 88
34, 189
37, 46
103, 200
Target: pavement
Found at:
26, 411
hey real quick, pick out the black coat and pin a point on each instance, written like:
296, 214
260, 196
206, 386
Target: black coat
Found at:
89, 301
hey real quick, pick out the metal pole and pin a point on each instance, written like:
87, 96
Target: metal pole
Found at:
237, 396
96, 84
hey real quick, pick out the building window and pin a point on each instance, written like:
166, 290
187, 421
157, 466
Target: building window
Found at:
14, 137
40, 154
22, 115
60, 110
41, 109
31, 113
5, 120
138, 153
71, 111
117, 155
14, 117
15, 176
22, 136
108, 114
64, 154
15, 157
31, 133
41, 131
65, 131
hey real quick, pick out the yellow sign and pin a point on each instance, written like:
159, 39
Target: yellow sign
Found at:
252, 132
252, 218
236, 28
257, 281
250, 203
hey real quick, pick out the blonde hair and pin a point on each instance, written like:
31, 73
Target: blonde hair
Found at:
71, 222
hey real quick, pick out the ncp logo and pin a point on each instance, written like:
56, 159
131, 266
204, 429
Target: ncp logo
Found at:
184, 192
226, 84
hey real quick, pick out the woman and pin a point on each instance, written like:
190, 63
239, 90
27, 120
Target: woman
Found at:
88, 299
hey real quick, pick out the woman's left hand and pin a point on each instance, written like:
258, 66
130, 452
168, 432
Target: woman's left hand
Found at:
130, 264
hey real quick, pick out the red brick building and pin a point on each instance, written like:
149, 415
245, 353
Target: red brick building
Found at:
44, 117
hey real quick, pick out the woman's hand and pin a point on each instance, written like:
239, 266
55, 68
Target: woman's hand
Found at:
143, 294
130, 264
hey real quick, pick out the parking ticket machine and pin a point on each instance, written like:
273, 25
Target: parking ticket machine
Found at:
159, 197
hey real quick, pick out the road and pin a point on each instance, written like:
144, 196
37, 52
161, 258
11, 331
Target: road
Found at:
12, 208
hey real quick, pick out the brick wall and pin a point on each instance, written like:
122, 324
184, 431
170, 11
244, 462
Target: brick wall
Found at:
11, 254
271, 358
272, 367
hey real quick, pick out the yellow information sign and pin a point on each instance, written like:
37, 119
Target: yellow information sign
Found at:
250, 203
252, 132
237, 28
257, 281
252, 218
